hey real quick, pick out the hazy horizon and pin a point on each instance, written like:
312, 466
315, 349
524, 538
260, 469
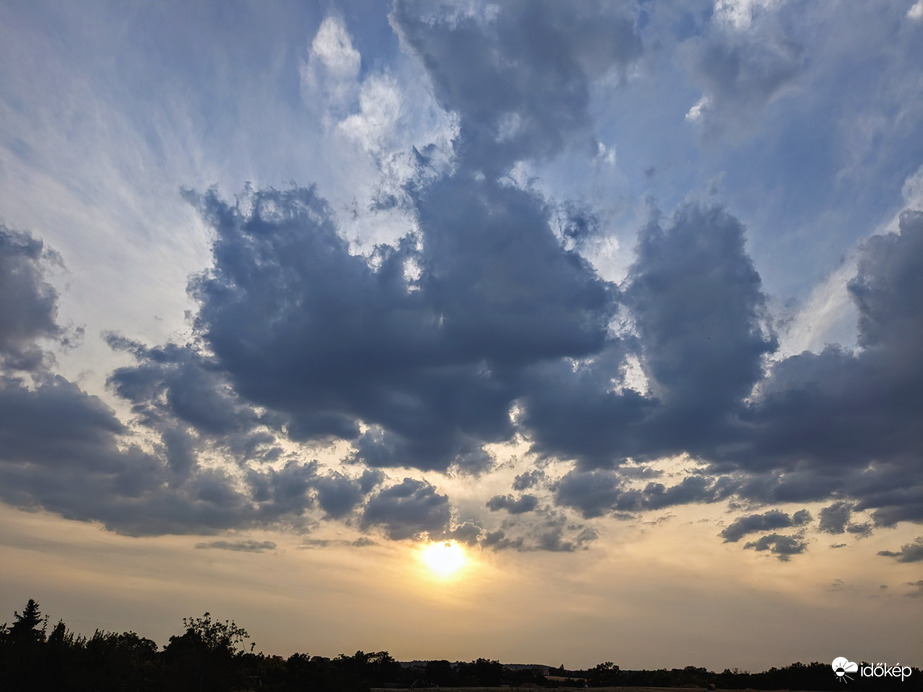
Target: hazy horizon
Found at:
617, 305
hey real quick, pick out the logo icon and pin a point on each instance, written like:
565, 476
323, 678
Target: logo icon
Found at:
841, 666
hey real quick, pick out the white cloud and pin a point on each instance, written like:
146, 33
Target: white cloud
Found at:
828, 316
380, 106
912, 190
916, 12
331, 71
698, 109
739, 14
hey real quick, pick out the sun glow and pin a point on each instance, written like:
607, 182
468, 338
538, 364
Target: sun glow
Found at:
444, 558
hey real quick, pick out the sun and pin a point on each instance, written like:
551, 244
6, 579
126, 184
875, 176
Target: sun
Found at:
444, 558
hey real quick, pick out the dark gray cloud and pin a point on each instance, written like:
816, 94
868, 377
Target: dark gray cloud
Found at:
593, 493
307, 329
299, 325
520, 505
528, 479
836, 519
781, 546
89, 474
504, 289
28, 303
820, 425
408, 508
838, 422
56, 424
700, 315
187, 399
910, 552
467, 532
369, 479
546, 529
833, 519
571, 412
498, 540
860, 530
65, 451
700, 318
756, 523
519, 78
176, 382
248, 546
598, 492
284, 492
557, 534
337, 494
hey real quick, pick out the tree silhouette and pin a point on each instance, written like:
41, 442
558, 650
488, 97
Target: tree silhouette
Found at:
29, 628
203, 658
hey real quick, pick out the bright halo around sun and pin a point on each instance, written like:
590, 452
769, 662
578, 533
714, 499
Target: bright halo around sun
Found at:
444, 558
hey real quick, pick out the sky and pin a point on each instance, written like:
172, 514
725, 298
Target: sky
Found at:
621, 300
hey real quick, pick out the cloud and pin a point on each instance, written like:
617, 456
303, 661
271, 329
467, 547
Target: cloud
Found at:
467, 532
572, 412
480, 322
285, 492
406, 509
546, 529
557, 534
700, 315
248, 546
519, 75
301, 339
782, 547
744, 63
594, 493
525, 503
380, 106
693, 297
528, 479
337, 494
28, 303
847, 421
833, 519
64, 451
498, 540
331, 71
175, 389
755, 523
318, 336
910, 552
739, 14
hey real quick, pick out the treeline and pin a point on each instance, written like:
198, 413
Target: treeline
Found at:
212, 655
814, 676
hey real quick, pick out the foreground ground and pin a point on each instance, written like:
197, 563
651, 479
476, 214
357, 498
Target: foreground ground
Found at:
507, 688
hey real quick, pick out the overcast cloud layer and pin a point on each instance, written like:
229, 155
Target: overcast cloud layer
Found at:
446, 310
